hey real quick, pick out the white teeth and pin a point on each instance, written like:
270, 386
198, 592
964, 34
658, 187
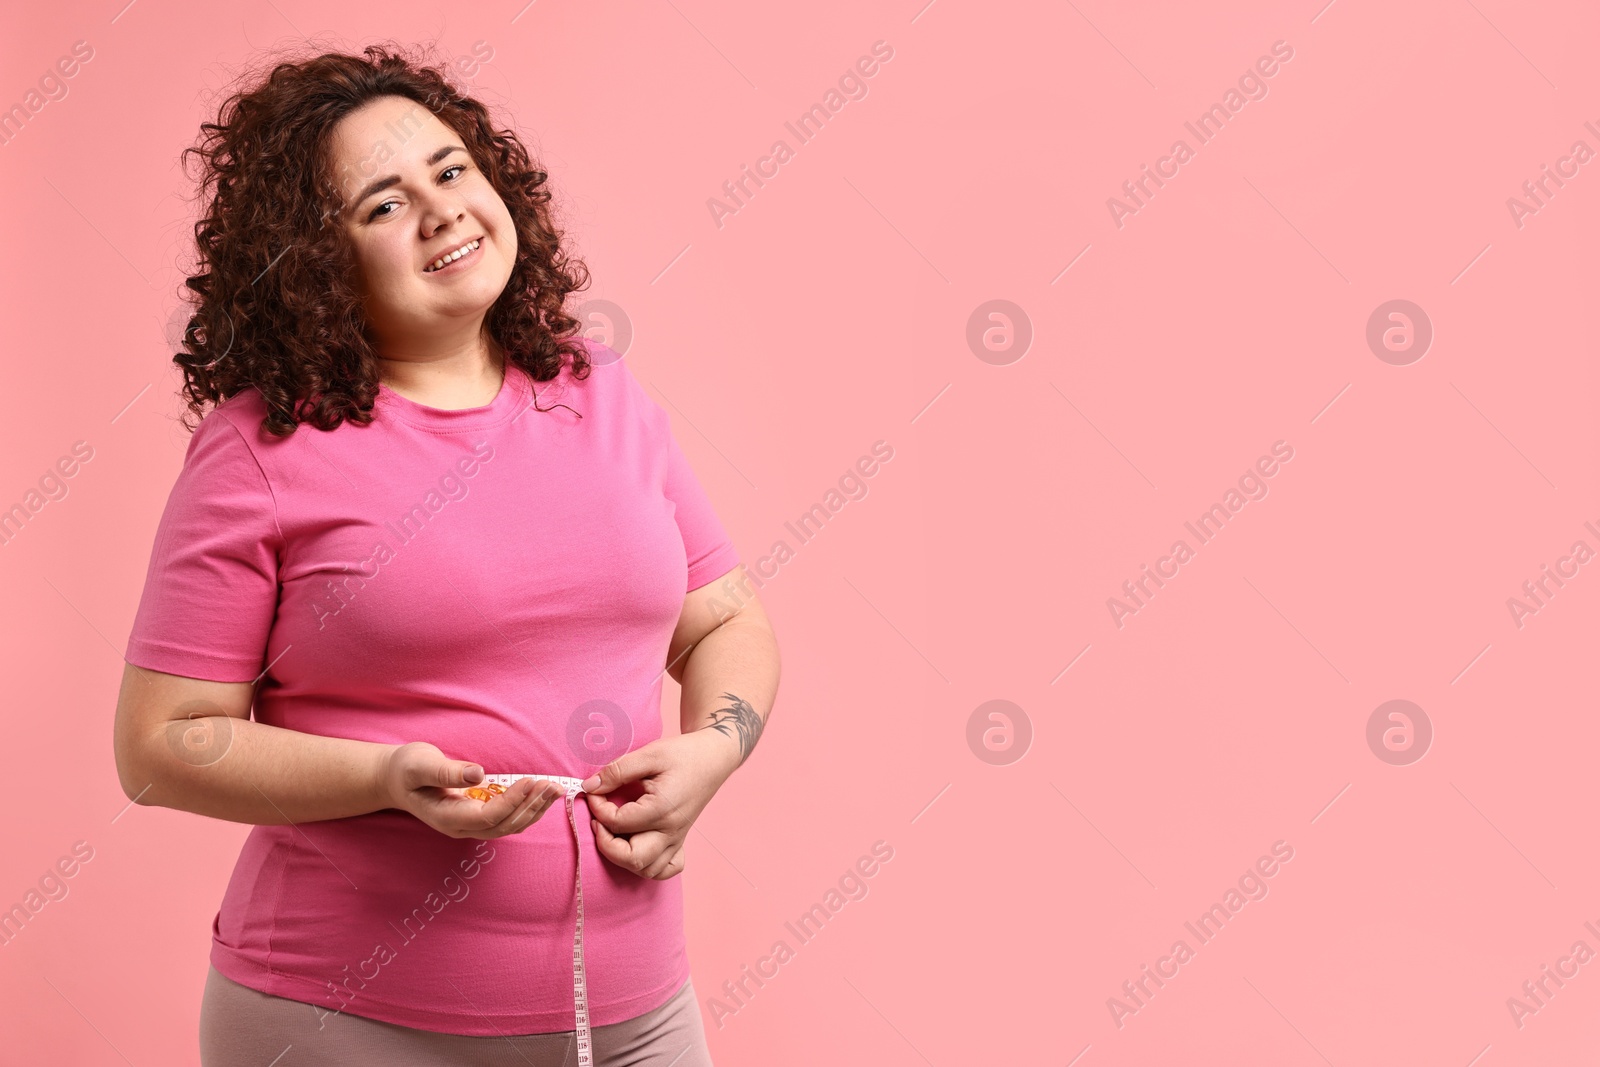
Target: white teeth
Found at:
446, 260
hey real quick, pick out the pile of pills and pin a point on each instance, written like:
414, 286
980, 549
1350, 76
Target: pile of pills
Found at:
485, 792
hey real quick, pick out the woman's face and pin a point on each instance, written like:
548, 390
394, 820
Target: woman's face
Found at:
412, 194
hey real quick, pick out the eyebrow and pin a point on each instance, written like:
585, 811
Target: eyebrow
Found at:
380, 184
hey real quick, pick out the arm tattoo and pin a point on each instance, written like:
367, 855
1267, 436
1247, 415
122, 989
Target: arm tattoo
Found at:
739, 721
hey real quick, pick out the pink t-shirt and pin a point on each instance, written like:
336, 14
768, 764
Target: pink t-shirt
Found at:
500, 581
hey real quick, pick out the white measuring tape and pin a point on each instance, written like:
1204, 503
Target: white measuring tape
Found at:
580, 988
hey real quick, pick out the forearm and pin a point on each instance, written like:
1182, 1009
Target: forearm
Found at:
730, 680
246, 771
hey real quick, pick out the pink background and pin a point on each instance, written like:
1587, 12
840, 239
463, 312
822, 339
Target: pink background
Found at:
832, 311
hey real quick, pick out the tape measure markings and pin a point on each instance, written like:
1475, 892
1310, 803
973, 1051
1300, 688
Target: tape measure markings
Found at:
580, 987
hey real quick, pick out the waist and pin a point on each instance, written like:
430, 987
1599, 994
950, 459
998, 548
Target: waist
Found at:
383, 916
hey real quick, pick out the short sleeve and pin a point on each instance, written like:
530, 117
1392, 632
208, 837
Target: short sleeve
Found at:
706, 542
711, 552
211, 590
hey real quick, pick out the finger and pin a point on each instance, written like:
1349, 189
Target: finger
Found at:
669, 864
552, 798
452, 774
648, 812
614, 848
491, 815
628, 767
635, 852
648, 849
453, 812
540, 796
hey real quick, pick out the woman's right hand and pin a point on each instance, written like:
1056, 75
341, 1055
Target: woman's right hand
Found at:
418, 778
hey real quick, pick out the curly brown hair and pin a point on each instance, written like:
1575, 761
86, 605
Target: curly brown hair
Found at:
275, 307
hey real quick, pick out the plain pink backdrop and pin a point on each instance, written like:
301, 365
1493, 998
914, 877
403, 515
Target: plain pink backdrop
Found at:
832, 311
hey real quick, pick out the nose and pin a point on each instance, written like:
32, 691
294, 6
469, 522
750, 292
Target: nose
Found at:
438, 210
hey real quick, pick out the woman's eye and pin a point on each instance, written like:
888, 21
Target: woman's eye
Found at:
390, 203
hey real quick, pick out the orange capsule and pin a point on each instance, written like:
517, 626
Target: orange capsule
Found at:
485, 793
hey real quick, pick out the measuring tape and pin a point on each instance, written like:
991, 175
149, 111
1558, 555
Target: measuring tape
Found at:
580, 988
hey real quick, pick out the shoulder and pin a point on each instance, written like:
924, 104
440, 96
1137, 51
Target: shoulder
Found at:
231, 438
243, 417
240, 415
608, 383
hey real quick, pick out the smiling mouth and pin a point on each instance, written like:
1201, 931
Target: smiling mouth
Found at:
454, 256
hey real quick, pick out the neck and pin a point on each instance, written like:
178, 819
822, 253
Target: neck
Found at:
463, 379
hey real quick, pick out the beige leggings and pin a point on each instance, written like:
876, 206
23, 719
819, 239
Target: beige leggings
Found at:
243, 1027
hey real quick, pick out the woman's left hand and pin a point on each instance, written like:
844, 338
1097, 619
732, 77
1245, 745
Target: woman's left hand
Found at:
678, 776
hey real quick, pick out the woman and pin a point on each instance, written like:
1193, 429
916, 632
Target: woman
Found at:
428, 533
